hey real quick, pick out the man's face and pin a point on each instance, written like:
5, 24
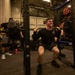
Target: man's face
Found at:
49, 23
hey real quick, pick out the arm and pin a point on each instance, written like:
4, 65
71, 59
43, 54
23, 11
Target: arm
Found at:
57, 34
62, 32
36, 34
21, 34
55, 39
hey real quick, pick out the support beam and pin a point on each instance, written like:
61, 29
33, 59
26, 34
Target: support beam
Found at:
27, 70
62, 5
5, 10
73, 26
56, 19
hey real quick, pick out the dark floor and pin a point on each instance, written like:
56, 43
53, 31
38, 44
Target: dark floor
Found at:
13, 65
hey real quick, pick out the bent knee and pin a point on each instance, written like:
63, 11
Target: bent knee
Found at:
41, 50
56, 50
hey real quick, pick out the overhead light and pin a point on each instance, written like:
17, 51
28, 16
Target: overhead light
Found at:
69, 6
68, 0
47, 0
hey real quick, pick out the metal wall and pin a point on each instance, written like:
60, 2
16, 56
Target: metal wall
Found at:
5, 10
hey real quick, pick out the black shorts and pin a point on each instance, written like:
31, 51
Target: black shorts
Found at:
6, 45
48, 47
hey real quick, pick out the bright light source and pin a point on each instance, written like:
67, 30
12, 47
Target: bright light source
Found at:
47, 0
69, 6
68, 0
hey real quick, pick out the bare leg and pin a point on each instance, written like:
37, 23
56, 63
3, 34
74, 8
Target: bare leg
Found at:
55, 56
3, 53
3, 50
40, 54
56, 52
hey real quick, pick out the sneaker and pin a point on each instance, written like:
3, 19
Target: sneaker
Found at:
3, 56
7, 53
55, 64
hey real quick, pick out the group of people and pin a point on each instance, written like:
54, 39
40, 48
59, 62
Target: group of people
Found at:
10, 34
49, 40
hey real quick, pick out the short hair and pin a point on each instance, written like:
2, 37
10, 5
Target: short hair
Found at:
48, 19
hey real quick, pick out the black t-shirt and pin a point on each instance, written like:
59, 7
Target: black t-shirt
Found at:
47, 36
4, 25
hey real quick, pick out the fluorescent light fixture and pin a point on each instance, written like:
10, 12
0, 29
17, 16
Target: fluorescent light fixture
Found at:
47, 0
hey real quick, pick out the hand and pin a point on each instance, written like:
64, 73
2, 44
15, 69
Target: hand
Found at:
58, 28
22, 36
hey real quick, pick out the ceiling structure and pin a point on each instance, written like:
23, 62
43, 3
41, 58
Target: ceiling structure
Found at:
41, 3
35, 5
44, 4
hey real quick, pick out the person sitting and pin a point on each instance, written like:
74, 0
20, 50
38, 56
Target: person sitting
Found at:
5, 45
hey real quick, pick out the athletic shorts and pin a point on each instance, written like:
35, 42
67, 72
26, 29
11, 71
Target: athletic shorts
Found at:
48, 47
6, 45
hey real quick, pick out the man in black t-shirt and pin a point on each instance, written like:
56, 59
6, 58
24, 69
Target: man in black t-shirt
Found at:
47, 42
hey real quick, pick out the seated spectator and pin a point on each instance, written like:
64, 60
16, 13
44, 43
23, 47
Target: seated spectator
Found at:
5, 45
